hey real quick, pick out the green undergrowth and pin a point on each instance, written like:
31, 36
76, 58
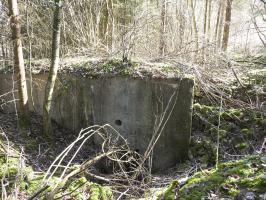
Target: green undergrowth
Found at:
226, 182
20, 177
239, 132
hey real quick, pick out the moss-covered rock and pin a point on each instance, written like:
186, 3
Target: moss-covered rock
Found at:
227, 181
81, 188
99, 192
238, 131
203, 150
171, 191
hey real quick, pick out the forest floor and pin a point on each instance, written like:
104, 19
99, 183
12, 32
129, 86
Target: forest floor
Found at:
38, 150
241, 134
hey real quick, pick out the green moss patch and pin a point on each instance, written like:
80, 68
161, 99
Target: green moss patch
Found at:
227, 181
16, 173
239, 132
97, 67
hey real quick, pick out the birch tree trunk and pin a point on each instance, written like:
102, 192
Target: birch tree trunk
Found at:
49, 89
227, 24
24, 117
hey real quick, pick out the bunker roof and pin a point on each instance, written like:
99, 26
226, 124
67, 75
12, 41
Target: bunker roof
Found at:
98, 67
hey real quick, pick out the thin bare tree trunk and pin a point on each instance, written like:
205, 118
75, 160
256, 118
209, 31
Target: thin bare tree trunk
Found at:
24, 117
217, 22
29, 35
181, 24
221, 23
124, 31
110, 26
194, 24
49, 89
162, 46
205, 28
205, 17
227, 24
3, 50
3, 38
194, 28
209, 22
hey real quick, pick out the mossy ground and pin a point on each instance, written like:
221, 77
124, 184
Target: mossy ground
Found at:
17, 175
240, 132
226, 182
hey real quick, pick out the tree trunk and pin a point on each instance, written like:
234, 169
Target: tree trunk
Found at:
49, 89
221, 23
3, 37
205, 29
194, 24
209, 22
181, 24
3, 50
24, 117
110, 26
205, 17
227, 24
162, 46
217, 22
124, 31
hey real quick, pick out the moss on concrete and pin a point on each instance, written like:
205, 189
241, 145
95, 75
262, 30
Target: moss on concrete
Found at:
98, 67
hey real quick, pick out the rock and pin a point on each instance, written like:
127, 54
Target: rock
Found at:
250, 196
245, 195
262, 196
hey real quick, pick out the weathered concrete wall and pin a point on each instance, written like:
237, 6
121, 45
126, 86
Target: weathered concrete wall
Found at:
132, 106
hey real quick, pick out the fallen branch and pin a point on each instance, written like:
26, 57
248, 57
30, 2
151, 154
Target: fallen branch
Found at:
39, 192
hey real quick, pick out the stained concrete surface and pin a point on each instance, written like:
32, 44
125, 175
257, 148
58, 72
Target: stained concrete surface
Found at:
133, 106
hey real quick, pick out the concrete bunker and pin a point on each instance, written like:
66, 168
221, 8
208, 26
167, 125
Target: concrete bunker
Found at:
134, 106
